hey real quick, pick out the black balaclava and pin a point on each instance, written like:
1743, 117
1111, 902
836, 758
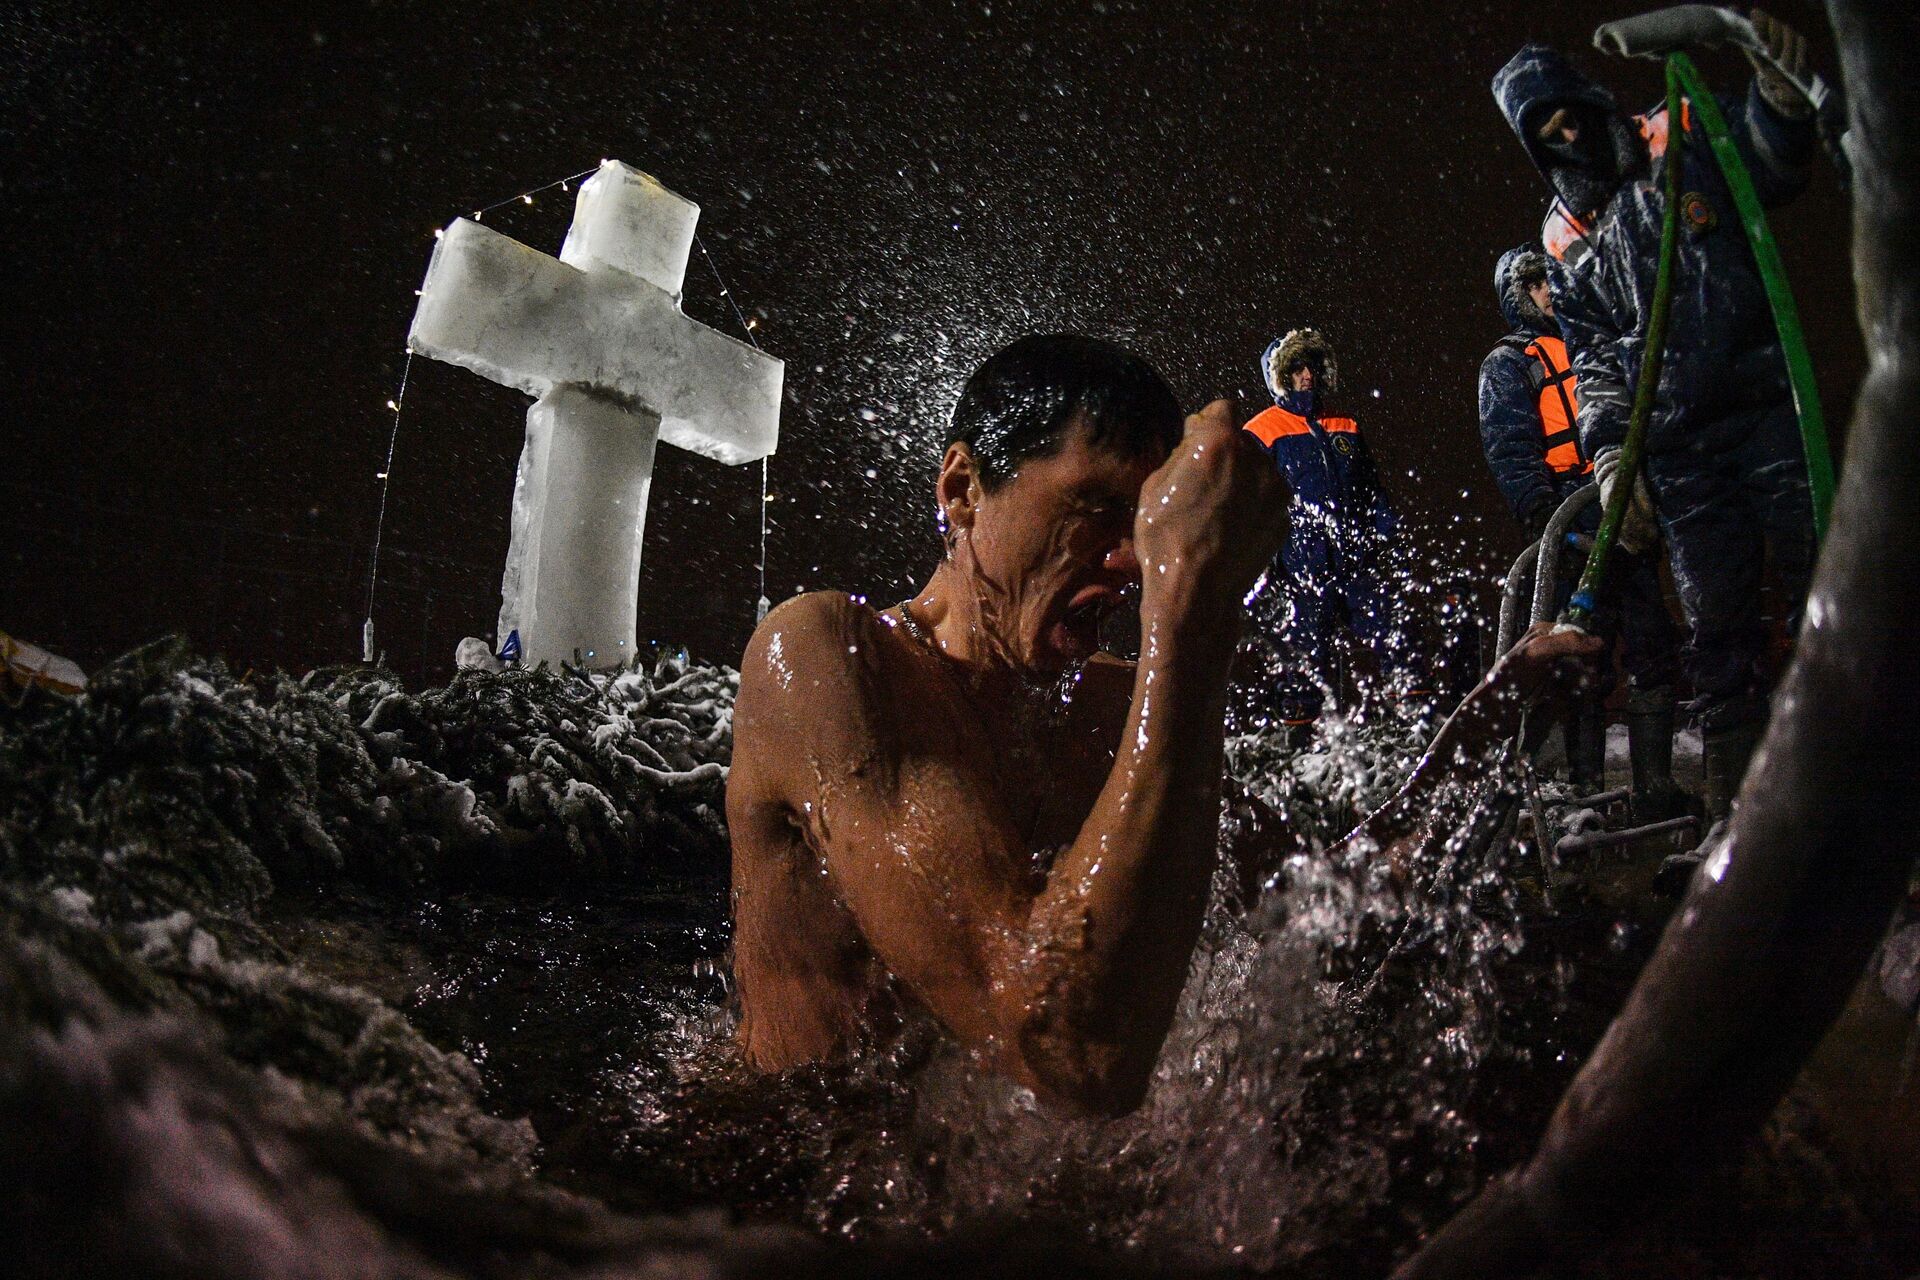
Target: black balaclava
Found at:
1586, 172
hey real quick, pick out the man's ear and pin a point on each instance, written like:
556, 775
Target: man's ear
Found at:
958, 489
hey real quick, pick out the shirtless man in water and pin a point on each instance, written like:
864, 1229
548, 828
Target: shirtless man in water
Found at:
921, 818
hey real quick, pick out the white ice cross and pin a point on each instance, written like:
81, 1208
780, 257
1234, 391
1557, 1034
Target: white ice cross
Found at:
598, 336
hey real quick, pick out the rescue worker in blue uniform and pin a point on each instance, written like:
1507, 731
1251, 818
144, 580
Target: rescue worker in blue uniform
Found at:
1529, 408
1724, 476
1343, 548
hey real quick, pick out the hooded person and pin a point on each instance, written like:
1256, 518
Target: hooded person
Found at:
1344, 543
1724, 475
1529, 408
1529, 399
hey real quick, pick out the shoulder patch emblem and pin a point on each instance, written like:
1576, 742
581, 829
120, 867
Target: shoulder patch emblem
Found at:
1698, 212
1343, 443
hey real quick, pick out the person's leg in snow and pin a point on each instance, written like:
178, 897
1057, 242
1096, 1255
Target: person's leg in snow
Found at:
1307, 647
1716, 523
1774, 474
1650, 654
1378, 617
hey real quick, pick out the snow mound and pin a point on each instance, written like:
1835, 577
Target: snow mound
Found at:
145, 824
229, 1107
173, 783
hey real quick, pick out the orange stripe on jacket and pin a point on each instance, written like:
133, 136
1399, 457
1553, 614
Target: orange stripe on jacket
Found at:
1276, 423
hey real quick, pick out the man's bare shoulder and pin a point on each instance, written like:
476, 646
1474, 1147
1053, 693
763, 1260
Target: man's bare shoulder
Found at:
821, 636
816, 669
806, 694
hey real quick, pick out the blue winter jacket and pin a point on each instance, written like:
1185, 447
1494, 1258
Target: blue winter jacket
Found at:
1341, 522
1723, 357
1510, 429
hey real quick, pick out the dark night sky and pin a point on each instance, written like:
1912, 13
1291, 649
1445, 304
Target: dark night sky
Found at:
216, 226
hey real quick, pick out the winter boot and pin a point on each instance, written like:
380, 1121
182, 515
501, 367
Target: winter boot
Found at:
1587, 748
1650, 714
1723, 761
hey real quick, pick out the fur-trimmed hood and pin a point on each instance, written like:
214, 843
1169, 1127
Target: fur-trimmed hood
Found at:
1294, 345
1516, 306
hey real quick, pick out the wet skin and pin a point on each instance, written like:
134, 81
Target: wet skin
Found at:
919, 821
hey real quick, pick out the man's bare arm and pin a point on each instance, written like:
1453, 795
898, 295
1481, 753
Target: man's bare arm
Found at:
1543, 665
1114, 930
919, 851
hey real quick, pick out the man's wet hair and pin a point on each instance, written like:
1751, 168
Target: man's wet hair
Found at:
1019, 403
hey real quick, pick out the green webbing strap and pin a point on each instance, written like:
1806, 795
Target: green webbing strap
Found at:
1580, 608
1766, 253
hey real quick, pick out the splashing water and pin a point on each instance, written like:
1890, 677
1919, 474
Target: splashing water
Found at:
1347, 1062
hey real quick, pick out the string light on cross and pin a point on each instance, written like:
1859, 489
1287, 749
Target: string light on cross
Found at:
598, 337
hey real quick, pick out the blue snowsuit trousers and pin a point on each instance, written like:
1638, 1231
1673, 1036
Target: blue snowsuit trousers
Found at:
1727, 513
1311, 613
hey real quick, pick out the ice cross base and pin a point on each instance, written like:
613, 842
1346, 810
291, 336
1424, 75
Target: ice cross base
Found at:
579, 515
598, 336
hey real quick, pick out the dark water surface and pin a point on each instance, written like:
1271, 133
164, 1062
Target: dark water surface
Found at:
563, 1003
601, 1016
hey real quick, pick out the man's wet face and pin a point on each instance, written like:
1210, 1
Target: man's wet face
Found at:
1053, 545
1302, 376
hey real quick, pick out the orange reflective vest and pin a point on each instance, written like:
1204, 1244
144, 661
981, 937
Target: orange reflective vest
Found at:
1559, 405
1557, 400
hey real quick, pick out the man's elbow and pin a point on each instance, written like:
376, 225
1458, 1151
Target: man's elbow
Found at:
1087, 1076
1083, 1045
1101, 1095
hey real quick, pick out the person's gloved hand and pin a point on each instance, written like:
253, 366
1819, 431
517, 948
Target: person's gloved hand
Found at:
1789, 49
1536, 520
1638, 530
